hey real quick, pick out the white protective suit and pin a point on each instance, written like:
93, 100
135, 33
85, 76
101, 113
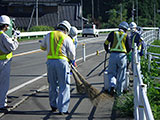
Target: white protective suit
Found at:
7, 45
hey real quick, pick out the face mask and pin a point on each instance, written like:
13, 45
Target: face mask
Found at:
133, 30
8, 27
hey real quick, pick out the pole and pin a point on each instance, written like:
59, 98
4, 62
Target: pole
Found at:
81, 14
121, 12
37, 12
93, 9
98, 8
133, 11
154, 14
58, 15
84, 52
137, 10
30, 21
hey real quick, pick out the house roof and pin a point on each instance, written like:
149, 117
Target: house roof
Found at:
41, 1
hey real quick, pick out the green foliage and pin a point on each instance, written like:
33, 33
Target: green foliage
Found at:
124, 105
152, 93
41, 28
145, 16
113, 18
104, 25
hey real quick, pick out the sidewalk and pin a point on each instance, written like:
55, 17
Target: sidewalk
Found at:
36, 104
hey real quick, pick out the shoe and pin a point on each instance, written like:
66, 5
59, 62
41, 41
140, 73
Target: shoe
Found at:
5, 109
63, 113
54, 109
112, 91
125, 91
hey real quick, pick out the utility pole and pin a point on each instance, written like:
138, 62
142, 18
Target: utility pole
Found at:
137, 11
30, 21
37, 12
133, 11
93, 9
121, 12
81, 13
154, 14
98, 8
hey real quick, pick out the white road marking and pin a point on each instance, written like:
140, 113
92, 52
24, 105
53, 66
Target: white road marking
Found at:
26, 53
43, 75
26, 83
30, 42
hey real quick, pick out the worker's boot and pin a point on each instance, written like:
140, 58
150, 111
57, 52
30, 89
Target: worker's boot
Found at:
112, 91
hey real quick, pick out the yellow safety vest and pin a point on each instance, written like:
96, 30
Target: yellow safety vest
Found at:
73, 40
133, 39
4, 56
56, 42
119, 42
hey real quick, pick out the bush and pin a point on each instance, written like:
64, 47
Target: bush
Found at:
41, 28
124, 105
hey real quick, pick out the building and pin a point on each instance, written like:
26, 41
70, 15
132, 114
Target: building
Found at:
28, 13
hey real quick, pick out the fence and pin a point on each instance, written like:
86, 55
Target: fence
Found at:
142, 109
149, 37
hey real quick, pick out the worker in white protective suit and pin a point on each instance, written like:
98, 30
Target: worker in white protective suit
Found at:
120, 45
137, 38
7, 45
73, 34
60, 49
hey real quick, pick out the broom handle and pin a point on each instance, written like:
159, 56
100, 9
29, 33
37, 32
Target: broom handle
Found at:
76, 77
105, 60
80, 76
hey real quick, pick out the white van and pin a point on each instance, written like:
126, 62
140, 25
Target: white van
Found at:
90, 29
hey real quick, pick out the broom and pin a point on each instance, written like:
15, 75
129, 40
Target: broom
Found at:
79, 85
94, 94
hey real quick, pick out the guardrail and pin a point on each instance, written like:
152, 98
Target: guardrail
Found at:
149, 37
142, 109
43, 33
38, 33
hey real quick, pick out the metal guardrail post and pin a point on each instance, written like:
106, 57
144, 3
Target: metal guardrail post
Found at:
149, 62
159, 33
126, 81
145, 54
148, 112
106, 81
84, 52
142, 115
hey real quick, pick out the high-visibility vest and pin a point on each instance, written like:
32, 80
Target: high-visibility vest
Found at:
56, 43
4, 56
119, 42
133, 39
73, 40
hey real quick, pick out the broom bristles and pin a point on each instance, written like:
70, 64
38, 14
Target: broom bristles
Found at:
94, 94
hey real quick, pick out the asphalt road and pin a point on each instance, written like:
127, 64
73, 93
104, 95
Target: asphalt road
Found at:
29, 62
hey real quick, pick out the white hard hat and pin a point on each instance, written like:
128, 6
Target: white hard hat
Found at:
132, 25
73, 31
66, 24
4, 20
